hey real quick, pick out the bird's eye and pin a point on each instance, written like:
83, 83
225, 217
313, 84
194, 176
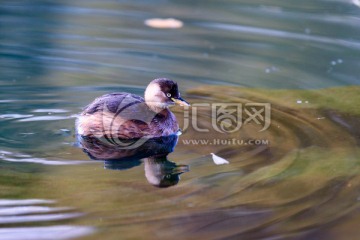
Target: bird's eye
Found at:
168, 94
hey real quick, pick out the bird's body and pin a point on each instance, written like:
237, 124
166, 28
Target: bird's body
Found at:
128, 116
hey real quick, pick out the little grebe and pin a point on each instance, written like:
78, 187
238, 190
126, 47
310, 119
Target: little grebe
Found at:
128, 116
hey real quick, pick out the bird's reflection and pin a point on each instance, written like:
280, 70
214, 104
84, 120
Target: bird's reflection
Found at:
159, 171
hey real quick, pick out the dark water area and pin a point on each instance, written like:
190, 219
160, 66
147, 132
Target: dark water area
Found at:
298, 179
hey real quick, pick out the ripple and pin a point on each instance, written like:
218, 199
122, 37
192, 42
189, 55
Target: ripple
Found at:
16, 202
281, 34
24, 158
45, 118
30, 210
38, 218
24, 211
50, 110
59, 232
305, 177
8, 101
15, 116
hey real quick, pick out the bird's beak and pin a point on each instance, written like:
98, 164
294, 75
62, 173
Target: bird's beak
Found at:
179, 169
180, 101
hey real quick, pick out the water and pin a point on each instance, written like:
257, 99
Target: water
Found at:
300, 182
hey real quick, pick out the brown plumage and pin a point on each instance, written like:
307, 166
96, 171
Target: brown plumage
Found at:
128, 116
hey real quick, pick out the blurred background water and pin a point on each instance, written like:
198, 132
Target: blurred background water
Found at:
57, 56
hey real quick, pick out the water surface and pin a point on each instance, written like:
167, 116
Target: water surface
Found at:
303, 59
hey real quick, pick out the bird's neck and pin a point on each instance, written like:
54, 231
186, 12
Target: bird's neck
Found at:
157, 107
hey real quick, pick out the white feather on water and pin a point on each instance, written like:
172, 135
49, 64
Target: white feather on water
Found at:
219, 160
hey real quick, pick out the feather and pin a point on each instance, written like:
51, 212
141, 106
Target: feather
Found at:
218, 160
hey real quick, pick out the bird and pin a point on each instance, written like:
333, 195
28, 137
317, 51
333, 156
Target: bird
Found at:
124, 116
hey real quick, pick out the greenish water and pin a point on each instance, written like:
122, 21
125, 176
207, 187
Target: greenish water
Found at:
302, 58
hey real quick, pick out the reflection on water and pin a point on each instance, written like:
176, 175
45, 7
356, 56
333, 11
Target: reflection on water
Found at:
162, 173
59, 232
56, 56
32, 211
159, 171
